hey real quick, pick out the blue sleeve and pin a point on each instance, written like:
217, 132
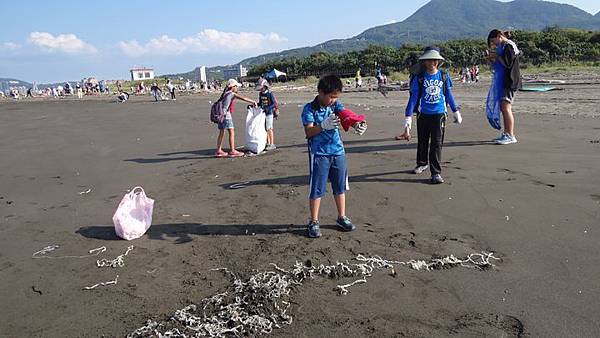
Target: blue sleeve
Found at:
307, 115
273, 102
337, 107
450, 99
413, 98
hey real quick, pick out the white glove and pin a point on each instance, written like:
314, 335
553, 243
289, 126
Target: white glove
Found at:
330, 123
408, 123
457, 117
360, 127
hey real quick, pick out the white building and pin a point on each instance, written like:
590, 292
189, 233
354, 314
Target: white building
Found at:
142, 74
235, 72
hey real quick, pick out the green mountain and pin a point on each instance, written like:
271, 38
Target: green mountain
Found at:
441, 20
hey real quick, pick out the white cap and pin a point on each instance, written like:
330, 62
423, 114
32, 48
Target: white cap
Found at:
233, 83
262, 83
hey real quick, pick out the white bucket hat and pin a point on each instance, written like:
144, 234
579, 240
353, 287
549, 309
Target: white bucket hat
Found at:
431, 53
233, 83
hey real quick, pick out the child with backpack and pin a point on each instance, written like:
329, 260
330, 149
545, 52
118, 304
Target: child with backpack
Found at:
430, 92
327, 158
221, 114
268, 103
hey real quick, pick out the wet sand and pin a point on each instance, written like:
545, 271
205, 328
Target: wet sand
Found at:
536, 204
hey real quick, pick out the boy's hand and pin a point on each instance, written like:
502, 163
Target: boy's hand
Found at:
457, 117
360, 127
330, 123
407, 126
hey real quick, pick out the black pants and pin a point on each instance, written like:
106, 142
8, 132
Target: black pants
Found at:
430, 127
173, 93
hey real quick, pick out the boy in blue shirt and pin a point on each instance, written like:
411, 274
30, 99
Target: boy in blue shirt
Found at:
327, 158
268, 103
430, 92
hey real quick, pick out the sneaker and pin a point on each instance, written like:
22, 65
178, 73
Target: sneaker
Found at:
437, 179
507, 139
502, 136
270, 147
314, 229
345, 224
420, 169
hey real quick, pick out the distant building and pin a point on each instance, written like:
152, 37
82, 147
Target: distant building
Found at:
142, 74
235, 72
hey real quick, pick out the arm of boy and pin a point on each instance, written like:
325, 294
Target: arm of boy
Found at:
410, 107
451, 101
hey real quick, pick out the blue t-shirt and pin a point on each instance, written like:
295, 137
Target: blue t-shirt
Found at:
327, 142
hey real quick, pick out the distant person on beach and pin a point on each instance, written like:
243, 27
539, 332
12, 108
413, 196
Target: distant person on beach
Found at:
79, 91
358, 79
228, 97
156, 92
171, 89
123, 97
268, 103
430, 93
506, 81
327, 157
29, 92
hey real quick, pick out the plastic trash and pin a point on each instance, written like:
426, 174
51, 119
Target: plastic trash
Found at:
134, 214
256, 134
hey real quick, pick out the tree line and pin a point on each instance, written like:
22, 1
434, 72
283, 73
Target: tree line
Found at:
551, 45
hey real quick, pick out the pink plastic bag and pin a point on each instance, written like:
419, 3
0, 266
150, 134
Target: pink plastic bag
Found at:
134, 214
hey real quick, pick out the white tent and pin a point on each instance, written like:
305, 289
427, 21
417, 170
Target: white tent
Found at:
275, 74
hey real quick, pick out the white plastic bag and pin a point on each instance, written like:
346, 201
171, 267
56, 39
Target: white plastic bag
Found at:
134, 214
256, 134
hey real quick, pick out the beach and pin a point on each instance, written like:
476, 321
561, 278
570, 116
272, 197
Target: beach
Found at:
66, 164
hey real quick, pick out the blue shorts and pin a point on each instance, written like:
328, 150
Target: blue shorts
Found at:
269, 122
327, 167
227, 124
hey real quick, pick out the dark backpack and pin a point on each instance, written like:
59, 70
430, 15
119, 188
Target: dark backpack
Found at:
218, 111
418, 70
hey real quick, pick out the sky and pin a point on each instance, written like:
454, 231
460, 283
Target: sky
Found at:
45, 41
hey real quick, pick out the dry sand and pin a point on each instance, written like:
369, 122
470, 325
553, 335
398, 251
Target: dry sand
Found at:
536, 204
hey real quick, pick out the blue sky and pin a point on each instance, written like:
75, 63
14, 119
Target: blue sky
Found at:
54, 41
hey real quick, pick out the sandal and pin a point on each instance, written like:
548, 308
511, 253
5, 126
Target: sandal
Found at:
221, 153
235, 153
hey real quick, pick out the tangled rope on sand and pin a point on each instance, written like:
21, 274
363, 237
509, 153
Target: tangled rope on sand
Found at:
260, 303
114, 263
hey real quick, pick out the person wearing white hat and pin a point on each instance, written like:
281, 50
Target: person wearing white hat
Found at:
228, 97
430, 92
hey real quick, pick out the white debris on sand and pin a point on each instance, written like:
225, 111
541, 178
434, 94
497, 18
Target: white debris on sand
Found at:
260, 303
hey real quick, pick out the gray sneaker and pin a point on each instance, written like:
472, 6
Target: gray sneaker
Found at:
345, 224
437, 179
507, 139
314, 229
420, 169
270, 147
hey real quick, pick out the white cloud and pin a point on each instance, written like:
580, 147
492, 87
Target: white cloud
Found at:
10, 46
208, 40
65, 43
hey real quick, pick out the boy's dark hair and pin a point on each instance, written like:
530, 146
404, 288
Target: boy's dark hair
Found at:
329, 84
